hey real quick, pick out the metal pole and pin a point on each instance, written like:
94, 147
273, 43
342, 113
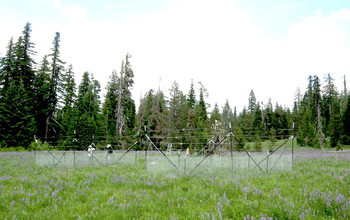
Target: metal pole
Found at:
161, 152
231, 146
185, 165
293, 153
210, 161
146, 160
267, 162
248, 159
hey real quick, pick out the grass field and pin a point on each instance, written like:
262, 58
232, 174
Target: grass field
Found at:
317, 188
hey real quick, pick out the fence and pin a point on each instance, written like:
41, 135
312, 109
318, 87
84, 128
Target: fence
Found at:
216, 158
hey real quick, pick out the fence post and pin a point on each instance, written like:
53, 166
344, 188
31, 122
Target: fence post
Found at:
185, 164
248, 159
293, 153
146, 160
231, 146
267, 162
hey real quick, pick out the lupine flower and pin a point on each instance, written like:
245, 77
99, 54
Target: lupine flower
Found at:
110, 200
5, 178
118, 179
340, 198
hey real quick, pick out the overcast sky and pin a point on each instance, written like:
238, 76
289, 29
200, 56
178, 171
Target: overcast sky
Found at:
230, 46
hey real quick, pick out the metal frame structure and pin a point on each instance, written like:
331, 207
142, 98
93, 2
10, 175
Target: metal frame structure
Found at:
146, 139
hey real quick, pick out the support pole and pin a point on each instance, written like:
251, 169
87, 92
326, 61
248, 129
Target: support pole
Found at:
293, 153
231, 148
267, 161
126, 152
185, 165
210, 152
146, 160
161, 152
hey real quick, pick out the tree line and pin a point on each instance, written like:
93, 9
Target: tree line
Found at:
42, 101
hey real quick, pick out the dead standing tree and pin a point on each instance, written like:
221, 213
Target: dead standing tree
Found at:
120, 118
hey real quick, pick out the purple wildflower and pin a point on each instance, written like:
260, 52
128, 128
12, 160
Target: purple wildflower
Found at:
110, 200
257, 192
118, 179
5, 178
340, 198
225, 199
219, 207
54, 194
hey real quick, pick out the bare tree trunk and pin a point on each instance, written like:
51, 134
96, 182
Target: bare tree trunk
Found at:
120, 118
321, 138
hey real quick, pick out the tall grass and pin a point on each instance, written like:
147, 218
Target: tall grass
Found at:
316, 189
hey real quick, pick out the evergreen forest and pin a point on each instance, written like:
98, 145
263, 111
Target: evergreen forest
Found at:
42, 101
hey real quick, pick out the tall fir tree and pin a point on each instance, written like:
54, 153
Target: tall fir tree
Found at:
152, 116
258, 120
335, 125
177, 116
126, 109
329, 95
88, 117
17, 100
346, 123
252, 102
55, 90
66, 115
42, 92
191, 97
227, 117
110, 106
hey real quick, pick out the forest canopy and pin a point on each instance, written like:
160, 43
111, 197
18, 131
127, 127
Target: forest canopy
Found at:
43, 101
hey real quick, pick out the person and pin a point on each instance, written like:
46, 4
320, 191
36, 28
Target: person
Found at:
187, 152
90, 150
109, 153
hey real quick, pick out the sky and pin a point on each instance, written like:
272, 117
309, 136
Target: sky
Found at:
230, 46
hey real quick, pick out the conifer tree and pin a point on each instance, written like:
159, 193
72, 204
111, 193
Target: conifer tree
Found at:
42, 93
17, 100
252, 102
177, 117
257, 120
346, 123
191, 97
110, 105
88, 120
126, 110
227, 117
215, 123
55, 88
145, 122
201, 107
335, 125
66, 115
7, 70
329, 95
152, 116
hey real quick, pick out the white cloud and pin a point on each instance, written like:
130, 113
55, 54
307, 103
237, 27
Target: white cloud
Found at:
212, 42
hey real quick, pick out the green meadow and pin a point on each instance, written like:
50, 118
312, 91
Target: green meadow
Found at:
318, 187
